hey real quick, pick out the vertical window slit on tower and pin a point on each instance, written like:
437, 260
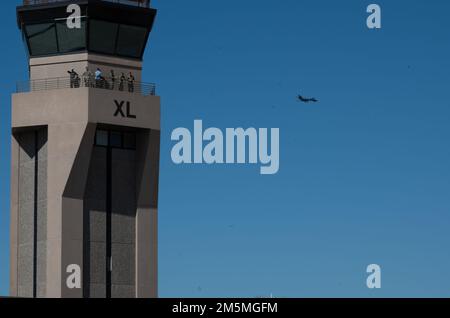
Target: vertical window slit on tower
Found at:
108, 222
35, 216
111, 139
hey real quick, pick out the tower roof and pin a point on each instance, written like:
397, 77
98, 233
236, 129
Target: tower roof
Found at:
112, 27
139, 3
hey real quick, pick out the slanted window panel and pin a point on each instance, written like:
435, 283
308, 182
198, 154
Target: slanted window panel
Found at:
115, 139
71, 40
42, 38
103, 36
101, 139
131, 40
129, 140
54, 37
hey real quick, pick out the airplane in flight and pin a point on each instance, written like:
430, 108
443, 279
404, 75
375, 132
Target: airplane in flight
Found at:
306, 100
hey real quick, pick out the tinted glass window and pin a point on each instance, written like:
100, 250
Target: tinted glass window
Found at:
129, 141
71, 40
115, 139
101, 139
42, 38
102, 36
131, 40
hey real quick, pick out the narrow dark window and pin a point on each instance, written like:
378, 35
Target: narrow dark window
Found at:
115, 139
101, 138
108, 222
129, 141
35, 221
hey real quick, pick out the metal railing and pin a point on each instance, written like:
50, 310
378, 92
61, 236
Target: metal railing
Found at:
145, 89
136, 3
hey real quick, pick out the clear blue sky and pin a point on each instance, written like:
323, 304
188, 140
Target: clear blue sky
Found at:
364, 175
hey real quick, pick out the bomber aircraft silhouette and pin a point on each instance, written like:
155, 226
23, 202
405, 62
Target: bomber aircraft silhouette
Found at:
306, 100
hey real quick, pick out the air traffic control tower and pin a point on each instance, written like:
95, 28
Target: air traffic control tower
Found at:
85, 153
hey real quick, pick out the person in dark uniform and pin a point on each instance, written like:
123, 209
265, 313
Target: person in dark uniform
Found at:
77, 81
122, 82
73, 77
113, 80
131, 83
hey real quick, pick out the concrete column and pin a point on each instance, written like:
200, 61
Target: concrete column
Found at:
65, 214
13, 287
147, 214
